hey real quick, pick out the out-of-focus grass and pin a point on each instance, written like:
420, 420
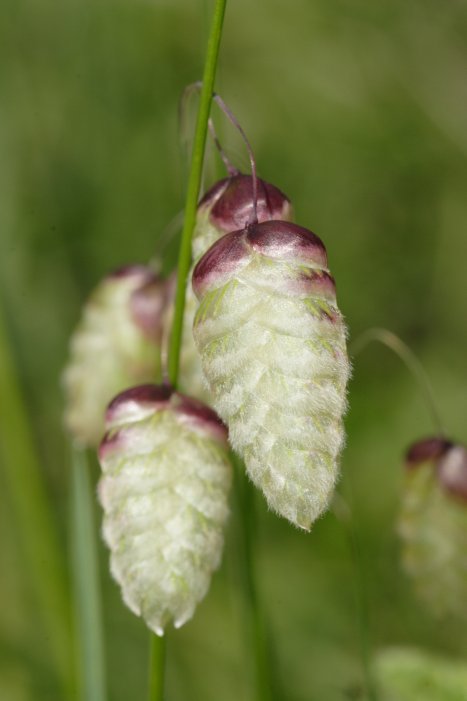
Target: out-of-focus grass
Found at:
356, 110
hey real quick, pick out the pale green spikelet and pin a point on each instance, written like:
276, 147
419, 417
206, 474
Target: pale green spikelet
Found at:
433, 525
273, 349
116, 344
407, 674
164, 490
227, 206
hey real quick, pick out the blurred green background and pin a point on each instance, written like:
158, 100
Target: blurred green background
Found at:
358, 111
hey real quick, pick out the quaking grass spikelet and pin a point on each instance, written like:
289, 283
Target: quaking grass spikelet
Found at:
226, 207
433, 524
164, 490
273, 349
116, 344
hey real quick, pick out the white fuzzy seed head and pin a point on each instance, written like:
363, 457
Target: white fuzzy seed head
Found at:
273, 349
164, 491
115, 345
433, 525
227, 206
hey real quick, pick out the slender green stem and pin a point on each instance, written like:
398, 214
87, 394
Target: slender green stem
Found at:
34, 521
401, 349
345, 515
194, 184
256, 623
88, 615
157, 653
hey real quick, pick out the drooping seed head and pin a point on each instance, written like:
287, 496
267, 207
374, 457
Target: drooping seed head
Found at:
115, 345
226, 207
164, 490
433, 523
273, 349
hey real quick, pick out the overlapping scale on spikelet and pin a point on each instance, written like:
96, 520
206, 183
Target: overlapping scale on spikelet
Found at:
115, 345
164, 490
433, 525
227, 206
273, 349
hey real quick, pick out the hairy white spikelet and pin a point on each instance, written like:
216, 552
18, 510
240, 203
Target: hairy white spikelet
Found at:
164, 490
273, 349
115, 345
227, 206
433, 525
407, 674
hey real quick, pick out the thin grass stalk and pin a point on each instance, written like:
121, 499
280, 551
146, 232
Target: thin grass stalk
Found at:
157, 648
34, 520
408, 357
345, 514
363, 613
258, 643
194, 184
157, 654
87, 600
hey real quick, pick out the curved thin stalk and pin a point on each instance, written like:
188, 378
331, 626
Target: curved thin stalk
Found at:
390, 340
230, 168
195, 88
254, 177
194, 183
88, 614
34, 520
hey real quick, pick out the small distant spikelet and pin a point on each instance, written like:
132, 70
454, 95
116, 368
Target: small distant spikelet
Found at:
164, 490
273, 349
116, 345
405, 674
433, 524
226, 207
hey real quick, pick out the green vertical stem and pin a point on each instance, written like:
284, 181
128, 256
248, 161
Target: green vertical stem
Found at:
258, 641
344, 514
194, 184
88, 614
34, 521
361, 595
157, 653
